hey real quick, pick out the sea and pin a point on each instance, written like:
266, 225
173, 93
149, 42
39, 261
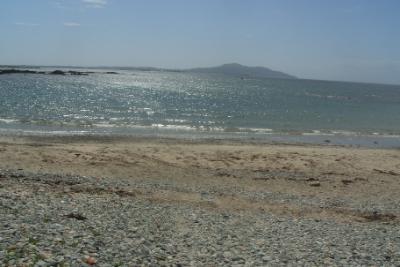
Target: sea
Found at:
196, 106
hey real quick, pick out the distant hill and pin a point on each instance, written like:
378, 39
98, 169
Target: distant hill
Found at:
244, 71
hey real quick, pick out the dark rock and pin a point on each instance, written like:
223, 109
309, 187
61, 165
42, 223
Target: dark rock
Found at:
16, 71
57, 72
77, 72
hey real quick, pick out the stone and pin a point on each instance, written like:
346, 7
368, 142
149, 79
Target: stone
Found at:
90, 260
266, 258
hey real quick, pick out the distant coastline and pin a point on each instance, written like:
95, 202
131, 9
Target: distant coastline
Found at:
232, 69
222, 69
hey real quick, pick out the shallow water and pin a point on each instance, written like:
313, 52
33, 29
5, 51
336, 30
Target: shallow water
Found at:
130, 102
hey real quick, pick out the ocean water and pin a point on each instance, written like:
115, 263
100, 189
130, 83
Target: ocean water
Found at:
133, 102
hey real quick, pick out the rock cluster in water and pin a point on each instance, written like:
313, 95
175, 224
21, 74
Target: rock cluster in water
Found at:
55, 72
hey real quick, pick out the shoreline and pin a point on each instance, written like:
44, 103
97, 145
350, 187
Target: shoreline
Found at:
142, 201
318, 139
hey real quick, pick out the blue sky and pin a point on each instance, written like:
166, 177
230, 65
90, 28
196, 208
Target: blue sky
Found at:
356, 40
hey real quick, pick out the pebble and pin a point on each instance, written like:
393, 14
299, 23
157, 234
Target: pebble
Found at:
129, 231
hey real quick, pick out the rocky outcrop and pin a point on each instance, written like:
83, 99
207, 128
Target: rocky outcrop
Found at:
55, 72
14, 71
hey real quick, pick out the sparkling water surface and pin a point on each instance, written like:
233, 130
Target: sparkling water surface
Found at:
133, 100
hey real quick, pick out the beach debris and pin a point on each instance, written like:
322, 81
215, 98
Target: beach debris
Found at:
360, 179
222, 173
347, 181
315, 184
377, 216
386, 172
76, 216
124, 193
261, 178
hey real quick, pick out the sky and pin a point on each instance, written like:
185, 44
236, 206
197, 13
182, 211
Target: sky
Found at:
350, 40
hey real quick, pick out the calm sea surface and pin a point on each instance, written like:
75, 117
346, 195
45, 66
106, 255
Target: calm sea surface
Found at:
132, 102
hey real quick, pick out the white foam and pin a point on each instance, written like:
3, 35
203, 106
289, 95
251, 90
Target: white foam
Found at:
7, 120
343, 132
104, 125
317, 133
257, 130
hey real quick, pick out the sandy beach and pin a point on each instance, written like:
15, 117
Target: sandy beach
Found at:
199, 133
198, 203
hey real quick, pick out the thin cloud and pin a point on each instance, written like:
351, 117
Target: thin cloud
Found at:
26, 24
71, 24
95, 3
59, 5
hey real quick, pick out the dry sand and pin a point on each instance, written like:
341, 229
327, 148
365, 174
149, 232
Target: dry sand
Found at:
340, 183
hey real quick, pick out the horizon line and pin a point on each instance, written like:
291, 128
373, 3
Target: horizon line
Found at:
186, 69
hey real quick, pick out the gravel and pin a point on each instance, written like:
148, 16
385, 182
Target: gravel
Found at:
64, 220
